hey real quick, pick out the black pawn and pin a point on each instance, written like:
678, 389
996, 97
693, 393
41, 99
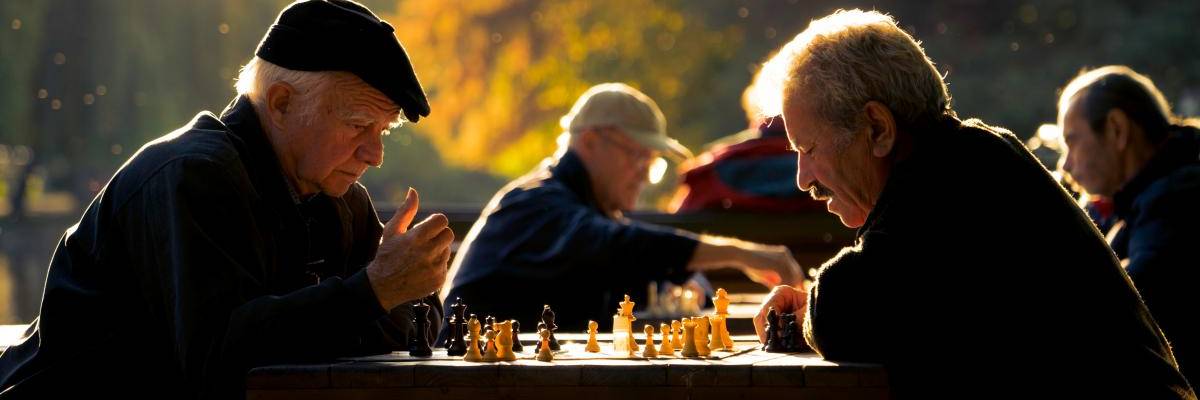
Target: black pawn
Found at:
790, 330
538, 347
487, 326
457, 345
517, 346
773, 344
419, 345
548, 319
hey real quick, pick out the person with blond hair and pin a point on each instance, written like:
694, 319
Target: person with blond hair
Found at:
948, 284
245, 239
1123, 143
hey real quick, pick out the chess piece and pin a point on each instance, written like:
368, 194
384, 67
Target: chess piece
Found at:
689, 339
548, 318
517, 347
720, 326
676, 330
632, 343
419, 344
715, 341
623, 341
504, 341
790, 332
538, 346
473, 354
626, 309
489, 355
544, 354
702, 325
774, 342
650, 351
592, 346
489, 323
455, 345
667, 348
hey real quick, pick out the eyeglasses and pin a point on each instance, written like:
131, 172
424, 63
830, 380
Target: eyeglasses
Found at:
640, 156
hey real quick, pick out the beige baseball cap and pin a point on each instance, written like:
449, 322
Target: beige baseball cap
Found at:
619, 105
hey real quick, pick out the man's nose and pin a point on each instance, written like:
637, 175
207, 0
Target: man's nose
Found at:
1068, 164
804, 179
371, 152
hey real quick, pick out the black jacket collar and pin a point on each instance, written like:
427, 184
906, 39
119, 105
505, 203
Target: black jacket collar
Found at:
570, 171
1182, 147
262, 164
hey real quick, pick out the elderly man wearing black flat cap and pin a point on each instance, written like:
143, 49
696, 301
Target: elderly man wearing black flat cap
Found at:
244, 239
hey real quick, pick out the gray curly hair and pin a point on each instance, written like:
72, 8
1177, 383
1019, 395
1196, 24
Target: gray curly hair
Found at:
847, 59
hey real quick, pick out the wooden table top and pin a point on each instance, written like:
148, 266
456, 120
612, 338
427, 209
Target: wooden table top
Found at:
745, 374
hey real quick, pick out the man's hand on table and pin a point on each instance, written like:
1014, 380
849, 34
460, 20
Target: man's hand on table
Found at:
785, 299
410, 263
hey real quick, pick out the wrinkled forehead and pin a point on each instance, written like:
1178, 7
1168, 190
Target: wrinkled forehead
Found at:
800, 117
358, 100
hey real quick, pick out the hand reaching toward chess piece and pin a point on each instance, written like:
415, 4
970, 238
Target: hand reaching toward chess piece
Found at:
784, 299
766, 264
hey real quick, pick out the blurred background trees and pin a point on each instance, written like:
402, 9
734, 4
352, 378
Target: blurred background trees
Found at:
84, 83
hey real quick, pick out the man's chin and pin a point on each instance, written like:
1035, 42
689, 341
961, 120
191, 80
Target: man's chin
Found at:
854, 223
851, 220
335, 191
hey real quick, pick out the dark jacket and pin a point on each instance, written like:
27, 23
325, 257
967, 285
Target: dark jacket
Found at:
977, 276
1159, 237
543, 240
196, 263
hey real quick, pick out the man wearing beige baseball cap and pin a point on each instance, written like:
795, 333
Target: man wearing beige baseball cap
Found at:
557, 235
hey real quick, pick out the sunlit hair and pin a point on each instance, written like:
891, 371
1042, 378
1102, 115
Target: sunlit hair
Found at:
317, 93
846, 59
1118, 87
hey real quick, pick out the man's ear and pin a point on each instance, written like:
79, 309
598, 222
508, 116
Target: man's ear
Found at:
279, 98
1117, 129
585, 142
881, 127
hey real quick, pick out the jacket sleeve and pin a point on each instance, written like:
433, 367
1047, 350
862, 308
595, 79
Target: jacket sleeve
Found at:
204, 272
849, 304
567, 236
1163, 249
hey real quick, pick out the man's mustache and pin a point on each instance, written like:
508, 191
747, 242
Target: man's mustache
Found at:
819, 192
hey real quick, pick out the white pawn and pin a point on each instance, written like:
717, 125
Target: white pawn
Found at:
544, 354
667, 348
592, 345
650, 352
489, 353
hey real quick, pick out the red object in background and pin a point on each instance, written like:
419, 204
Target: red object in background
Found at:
756, 172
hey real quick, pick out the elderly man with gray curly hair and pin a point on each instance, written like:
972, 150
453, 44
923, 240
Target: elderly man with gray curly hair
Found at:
953, 284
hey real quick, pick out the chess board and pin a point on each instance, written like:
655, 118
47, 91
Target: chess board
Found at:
569, 351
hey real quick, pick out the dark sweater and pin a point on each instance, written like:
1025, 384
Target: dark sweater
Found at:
543, 240
194, 264
976, 275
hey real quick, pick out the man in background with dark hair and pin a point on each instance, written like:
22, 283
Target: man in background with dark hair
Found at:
1123, 143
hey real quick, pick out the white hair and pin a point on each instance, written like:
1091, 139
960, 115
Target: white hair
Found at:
846, 59
318, 92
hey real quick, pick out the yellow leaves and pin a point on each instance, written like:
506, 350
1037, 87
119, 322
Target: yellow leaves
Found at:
500, 73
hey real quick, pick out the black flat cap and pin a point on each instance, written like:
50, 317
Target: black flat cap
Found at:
341, 35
